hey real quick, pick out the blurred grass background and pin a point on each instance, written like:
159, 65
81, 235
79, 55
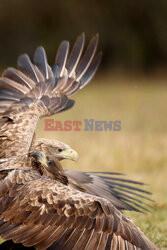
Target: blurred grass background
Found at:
131, 86
139, 149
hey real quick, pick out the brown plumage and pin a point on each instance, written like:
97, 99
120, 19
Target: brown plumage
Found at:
49, 166
35, 90
58, 209
124, 194
44, 211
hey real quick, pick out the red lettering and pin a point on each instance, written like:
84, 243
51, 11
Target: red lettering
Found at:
48, 125
77, 123
58, 126
67, 125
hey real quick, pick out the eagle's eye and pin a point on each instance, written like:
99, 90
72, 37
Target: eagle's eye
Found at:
49, 162
60, 150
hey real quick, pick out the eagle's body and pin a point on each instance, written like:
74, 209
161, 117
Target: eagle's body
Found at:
44, 206
43, 212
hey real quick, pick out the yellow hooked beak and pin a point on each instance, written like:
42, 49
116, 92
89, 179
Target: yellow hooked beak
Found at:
70, 154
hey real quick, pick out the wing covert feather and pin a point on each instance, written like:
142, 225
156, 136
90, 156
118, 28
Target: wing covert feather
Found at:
47, 206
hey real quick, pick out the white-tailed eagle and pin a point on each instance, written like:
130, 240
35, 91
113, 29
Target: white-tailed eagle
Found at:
42, 205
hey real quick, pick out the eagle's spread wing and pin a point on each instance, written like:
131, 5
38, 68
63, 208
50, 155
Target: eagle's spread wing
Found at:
39, 211
121, 192
35, 90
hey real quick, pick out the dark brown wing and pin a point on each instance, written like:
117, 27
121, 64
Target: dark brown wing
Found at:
35, 90
122, 193
40, 212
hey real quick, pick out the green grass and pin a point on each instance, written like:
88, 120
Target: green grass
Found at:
138, 150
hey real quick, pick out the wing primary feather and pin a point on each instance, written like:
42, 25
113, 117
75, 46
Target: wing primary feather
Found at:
25, 65
91, 71
75, 54
128, 187
11, 93
136, 204
130, 197
55, 70
96, 172
40, 59
122, 180
12, 85
130, 192
8, 97
75, 86
61, 57
19, 77
87, 58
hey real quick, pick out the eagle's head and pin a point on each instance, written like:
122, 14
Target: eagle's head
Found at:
55, 148
49, 166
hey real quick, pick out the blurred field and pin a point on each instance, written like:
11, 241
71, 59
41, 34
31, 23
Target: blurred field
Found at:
138, 150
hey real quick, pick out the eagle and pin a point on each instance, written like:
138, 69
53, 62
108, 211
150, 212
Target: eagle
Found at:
42, 205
